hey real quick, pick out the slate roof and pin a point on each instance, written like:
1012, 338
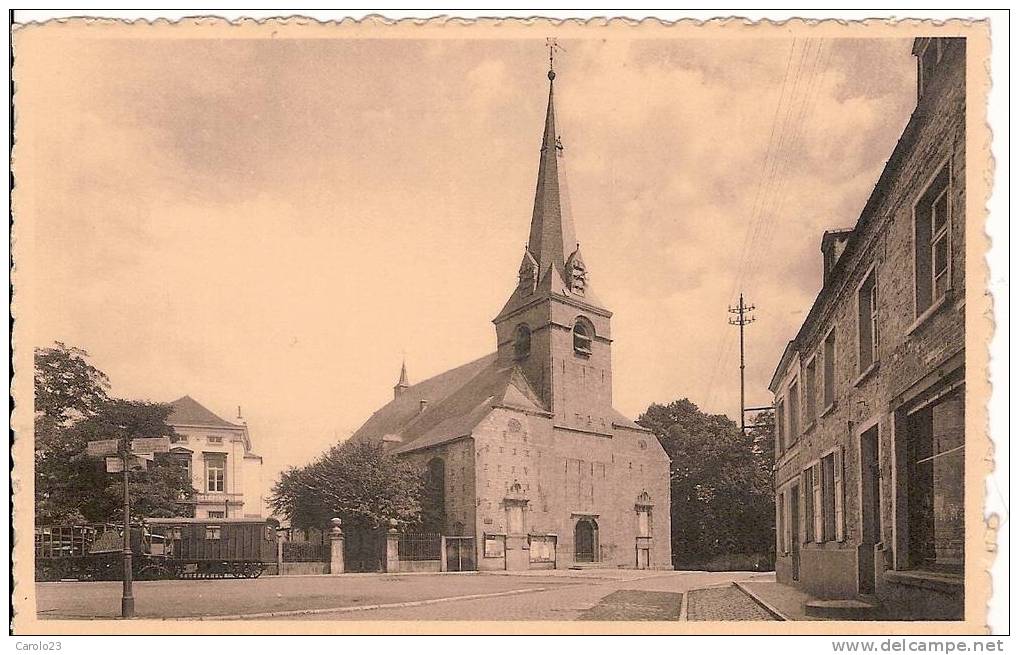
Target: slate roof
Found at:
188, 411
457, 401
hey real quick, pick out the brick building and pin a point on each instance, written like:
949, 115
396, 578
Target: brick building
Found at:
217, 453
523, 446
870, 394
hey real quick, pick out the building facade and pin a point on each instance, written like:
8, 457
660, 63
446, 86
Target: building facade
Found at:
523, 445
870, 394
225, 473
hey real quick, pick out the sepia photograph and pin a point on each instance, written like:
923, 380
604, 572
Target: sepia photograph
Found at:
311, 334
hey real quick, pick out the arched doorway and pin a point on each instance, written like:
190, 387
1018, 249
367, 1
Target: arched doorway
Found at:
585, 540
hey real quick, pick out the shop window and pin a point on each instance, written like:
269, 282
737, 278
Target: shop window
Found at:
935, 483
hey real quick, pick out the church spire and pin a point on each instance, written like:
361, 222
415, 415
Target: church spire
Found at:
552, 238
403, 384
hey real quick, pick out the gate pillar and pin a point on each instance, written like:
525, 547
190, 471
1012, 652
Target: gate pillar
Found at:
336, 564
392, 548
443, 567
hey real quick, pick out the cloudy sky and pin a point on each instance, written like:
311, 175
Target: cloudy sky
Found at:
272, 223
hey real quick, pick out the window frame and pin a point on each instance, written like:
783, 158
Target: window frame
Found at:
810, 392
586, 333
793, 393
872, 318
210, 459
828, 364
944, 166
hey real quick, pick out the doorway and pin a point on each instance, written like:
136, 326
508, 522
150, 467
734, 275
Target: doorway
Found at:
870, 507
585, 537
794, 528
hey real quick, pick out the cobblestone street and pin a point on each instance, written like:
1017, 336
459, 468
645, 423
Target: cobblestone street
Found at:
597, 595
724, 604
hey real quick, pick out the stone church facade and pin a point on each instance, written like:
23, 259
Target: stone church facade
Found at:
524, 446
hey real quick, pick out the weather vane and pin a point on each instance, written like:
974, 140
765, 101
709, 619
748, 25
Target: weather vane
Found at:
552, 46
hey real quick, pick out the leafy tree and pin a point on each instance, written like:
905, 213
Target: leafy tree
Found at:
72, 408
359, 482
720, 484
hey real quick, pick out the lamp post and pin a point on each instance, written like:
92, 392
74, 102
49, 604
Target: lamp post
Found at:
127, 597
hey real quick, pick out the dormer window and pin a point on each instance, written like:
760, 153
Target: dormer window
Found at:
521, 342
583, 333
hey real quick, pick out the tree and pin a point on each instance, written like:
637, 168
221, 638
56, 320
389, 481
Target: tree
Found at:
72, 408
67, 388
720, 487
360, 483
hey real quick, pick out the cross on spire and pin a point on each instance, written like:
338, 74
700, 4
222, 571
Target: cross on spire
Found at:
552, 46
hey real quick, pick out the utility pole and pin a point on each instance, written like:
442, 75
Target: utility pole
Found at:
742, 319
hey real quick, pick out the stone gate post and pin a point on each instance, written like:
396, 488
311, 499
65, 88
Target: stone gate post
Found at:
336, 548
392, 548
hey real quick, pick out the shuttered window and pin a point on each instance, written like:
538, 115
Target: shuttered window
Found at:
840, 495
817, 509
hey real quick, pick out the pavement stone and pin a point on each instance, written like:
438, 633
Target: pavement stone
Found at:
724, 604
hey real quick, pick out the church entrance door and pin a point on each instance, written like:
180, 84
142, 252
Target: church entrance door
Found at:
584, 538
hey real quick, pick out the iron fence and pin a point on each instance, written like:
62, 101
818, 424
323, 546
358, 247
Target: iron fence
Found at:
420, 547
303, 551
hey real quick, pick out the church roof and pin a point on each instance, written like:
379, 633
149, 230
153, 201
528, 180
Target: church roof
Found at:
188, 411
455, 402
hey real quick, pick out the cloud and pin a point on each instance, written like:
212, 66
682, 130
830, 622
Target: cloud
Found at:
270, 223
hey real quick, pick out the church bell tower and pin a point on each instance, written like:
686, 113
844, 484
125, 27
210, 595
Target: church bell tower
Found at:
552, 327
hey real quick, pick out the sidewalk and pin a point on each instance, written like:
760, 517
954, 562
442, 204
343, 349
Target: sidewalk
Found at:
781, 601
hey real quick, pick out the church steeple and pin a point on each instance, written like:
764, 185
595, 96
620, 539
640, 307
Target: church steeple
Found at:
552, 237
402, 385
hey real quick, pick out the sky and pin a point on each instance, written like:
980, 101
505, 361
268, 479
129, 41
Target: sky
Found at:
276, 223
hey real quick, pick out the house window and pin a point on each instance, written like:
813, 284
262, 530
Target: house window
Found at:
808, 504
866, 325
828, 381
794, 414
809, 395
212, 532
780, 521
495, 545
215, 473
542, 548
936, 441
932, 254
832, 497
780, 426
582, 336
521, 342
215, 439
216, 514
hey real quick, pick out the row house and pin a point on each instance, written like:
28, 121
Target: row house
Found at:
870, 394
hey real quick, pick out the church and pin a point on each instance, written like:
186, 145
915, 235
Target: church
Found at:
523, 453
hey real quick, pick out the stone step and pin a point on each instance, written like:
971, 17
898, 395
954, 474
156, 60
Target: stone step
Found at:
580, 566
848, 609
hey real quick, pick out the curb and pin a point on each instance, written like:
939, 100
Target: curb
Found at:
766, 606
354, 608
